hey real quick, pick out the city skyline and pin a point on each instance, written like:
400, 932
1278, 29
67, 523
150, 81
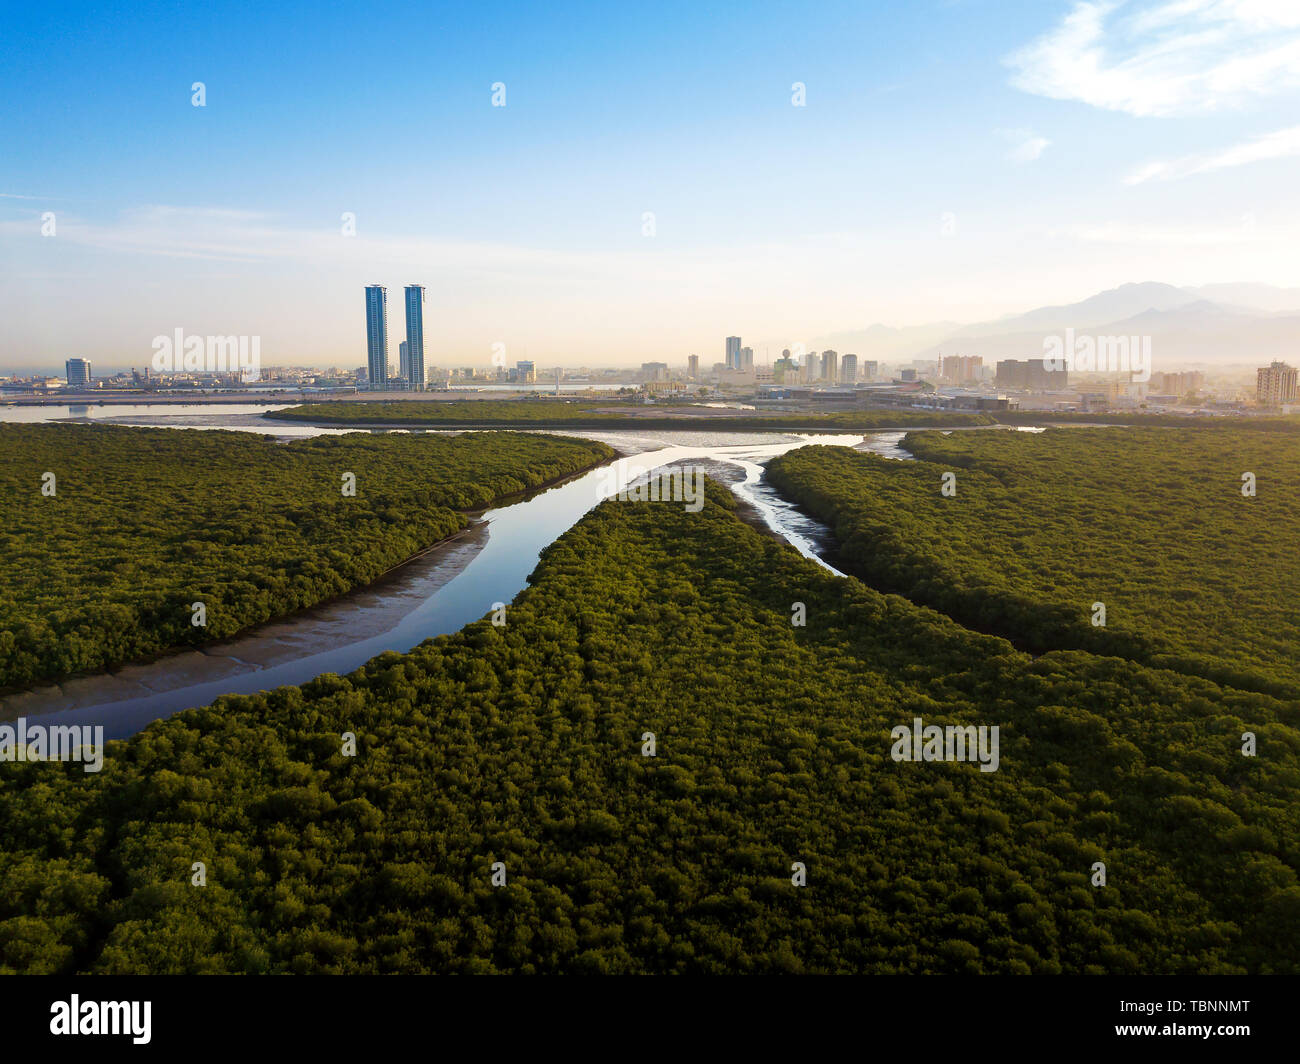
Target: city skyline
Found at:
1155, 134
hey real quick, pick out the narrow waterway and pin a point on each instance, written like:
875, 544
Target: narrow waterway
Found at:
450, 586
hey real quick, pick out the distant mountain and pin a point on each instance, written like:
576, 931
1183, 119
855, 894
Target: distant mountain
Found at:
1263, 297
1212, 333
1212, 324
1126, 301
1245, 323
883, 342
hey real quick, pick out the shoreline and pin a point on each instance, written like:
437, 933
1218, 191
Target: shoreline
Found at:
632, 424
277, 640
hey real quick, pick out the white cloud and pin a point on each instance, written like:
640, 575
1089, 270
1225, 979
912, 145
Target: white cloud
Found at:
253, 239
234, 235
1174, 57
1281, 144
1026, 146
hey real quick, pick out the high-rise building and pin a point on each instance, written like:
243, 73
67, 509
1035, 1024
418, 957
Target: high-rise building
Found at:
1275, 384
693, 367
812, 367
870, 369
849, 369
830, 366
733, 352
962, 369
654, 371
404, 360
414, 372
78, 372
377, 335
526, 372
1033, 374
746, 358
1177, 383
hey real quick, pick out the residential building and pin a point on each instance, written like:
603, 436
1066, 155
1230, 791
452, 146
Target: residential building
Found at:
377, 336
1179, 384
1031, 374
414, 373
733, 352
962, 369
830, 366
1275, 384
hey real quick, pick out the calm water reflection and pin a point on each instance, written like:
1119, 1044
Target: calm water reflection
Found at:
453, 586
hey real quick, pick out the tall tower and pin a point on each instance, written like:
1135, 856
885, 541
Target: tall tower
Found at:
415, 335
377, 335
830, 366
733, 352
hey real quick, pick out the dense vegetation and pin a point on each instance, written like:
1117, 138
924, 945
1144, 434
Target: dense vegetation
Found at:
597, 413
453, 412
522, 744
606, 413
1273, 423
1150, 522
146, 522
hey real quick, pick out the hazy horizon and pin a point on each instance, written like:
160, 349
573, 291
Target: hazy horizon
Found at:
950, 162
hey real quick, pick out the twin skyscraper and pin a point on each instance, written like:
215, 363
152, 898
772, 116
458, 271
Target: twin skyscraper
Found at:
411, 373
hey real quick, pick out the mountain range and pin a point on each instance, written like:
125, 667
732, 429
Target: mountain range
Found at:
1215, 325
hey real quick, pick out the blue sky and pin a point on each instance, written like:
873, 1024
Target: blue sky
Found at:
954, 160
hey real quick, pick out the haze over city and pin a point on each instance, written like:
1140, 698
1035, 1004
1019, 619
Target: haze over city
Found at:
645, 185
